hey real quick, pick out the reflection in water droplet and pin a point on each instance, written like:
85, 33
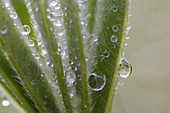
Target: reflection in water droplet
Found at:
5, 102
115, 9
96, 82
26, 29
3, 30
115, 28
124, 69
113, 38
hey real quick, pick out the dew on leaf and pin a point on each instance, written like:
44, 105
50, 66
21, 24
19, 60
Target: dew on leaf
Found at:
3, 30
113, 38
115, 28
96, 82
106, 54
31, 43
114, 9
113, 45
124, 69
26, 29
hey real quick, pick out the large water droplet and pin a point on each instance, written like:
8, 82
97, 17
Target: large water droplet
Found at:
5, 102
113, 38
3, 30
96, 81
26, 29
124, 69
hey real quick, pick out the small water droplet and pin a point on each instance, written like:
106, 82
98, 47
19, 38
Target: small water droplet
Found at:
3, 30
36, 56
71, 95
44, 52
70, 78
42, 74
96, 81
60, 33
13, 15
113, 38
33, 82
124, 69
113, 45
53, 3
26, 29
31, 43
5, 102
106, 54
115, 9
115, 28
37, 9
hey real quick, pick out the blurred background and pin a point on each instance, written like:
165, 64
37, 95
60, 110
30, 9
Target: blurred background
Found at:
147, 89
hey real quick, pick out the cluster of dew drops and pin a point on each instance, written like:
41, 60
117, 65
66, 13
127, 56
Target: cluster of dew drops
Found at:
96, 81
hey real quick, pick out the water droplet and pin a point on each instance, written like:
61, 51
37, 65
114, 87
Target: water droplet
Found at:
115, 9
53, 3
113, 45
106, 54
102, 56
31, 43
115, 28
96, 81
60, 33
3, 30
5, 102
33, 82
44, 52
113, 38
124, 69
42, 74
36, 56
13, 15
70, 78
26, 29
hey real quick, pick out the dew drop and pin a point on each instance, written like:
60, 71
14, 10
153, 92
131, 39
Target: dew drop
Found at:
124, 69
113, 38
13, 15
106, 54
115, 9
44, 52
42, 74
33, 82
26, 29
36, 56
113, 45
5, 102
3, 30
31, 43
102, 56
115, 28
96, 81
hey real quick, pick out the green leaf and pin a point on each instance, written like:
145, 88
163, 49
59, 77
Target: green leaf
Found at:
61, 56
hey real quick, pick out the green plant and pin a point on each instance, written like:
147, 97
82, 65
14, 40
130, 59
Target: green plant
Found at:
60, 56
